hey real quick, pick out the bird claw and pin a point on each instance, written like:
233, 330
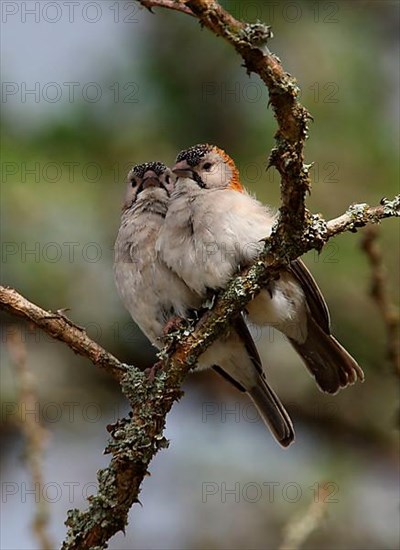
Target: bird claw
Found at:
152, 371
173, 325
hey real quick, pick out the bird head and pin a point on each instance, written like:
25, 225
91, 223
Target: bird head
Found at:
148, 180
208, 166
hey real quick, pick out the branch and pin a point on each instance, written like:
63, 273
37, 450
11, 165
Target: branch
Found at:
360, 215
170, 4
60, 328
250, 42
300, 527
135, 440
379, 292
35, 434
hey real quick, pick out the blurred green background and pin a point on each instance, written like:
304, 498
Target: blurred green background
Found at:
86, 93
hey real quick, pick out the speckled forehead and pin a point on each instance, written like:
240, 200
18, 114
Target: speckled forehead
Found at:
140, 169
194, 155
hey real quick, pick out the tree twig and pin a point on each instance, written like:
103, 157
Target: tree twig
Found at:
300, 527
379, 293
360, 215
169, 4
35, 434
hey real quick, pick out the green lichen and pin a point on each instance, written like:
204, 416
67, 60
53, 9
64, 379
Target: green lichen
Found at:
256, 35
316, 232
391, 208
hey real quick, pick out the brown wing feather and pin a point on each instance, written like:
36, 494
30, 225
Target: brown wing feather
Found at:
241, 328
315, 300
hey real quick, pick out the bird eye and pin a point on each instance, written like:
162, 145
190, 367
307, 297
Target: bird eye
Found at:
167, 179
207, 166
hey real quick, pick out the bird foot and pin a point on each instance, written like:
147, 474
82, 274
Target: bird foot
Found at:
173, 325
152, 371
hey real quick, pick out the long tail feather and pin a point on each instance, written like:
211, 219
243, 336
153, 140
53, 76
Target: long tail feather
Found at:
272, 412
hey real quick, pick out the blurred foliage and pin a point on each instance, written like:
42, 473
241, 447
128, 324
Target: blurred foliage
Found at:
190, 88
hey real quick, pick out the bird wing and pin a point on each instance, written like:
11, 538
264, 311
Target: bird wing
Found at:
315, 300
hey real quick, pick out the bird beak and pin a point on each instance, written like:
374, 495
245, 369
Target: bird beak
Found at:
182, 169
150, 179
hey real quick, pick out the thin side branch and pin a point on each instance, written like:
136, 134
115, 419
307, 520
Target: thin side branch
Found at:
380, 294
135, 440
300, 527
35, 434
169, 4
360, 215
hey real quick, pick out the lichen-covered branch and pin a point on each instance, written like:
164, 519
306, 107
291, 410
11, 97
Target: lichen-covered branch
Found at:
380, 294
360, 215
136, 439
250, 41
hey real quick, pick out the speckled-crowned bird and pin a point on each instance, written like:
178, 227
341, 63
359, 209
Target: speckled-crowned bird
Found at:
214, 226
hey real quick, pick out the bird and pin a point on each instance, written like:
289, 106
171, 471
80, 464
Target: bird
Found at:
139, 278
214, 227
154, 294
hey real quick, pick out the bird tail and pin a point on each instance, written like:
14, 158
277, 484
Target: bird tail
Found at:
240, 363
272, 411
329, 363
